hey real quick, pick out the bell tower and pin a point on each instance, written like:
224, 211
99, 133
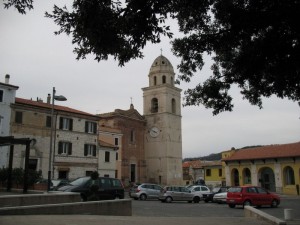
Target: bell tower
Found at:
163, 138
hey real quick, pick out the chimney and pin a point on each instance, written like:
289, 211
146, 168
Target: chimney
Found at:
7, 79
49, 99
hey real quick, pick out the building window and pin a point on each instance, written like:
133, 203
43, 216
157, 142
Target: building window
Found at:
208, 172
154, 105
164, 79
155, 80
132, 136
90, 127
116, 141
62, 174
117, 156
220, 172
64, 148
1, 95
19, 117
107, 156
48, 121
65, 123
88, 173
89, 150
289, 176
173, 106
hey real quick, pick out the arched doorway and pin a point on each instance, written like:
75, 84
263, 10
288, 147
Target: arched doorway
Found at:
235, 179
267, 178
247, 176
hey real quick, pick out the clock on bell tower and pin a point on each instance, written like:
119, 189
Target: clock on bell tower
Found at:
162, 111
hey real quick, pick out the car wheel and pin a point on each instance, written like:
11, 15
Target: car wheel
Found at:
274, 203
196, 199
169, 199
143, 197
247, 203
231, 205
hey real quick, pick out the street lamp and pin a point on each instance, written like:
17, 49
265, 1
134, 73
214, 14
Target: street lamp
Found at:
57, 98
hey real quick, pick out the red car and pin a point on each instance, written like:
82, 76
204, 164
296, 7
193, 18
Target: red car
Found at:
251, 195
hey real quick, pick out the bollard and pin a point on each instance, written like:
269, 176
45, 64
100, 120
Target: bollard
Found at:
288, 214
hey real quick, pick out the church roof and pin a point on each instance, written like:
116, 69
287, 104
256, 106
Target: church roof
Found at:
130, 113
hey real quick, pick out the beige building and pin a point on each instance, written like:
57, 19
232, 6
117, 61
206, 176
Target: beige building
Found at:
75, 138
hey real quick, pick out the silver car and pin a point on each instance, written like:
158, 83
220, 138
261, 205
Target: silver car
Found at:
177, 193
199, 191
145, 191
220, 197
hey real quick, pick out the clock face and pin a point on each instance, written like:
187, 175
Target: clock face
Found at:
154, 132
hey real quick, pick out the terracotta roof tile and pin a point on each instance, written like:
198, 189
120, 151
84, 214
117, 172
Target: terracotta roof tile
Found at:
266, 152
196, 164
48, 106
108, 145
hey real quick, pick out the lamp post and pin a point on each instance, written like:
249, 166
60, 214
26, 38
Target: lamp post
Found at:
57, 98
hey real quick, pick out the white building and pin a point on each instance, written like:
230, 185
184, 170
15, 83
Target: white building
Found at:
7, 96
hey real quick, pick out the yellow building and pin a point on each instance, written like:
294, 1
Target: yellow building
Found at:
208, 171
213, 174
274, 167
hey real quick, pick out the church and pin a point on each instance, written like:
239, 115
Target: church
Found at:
151, 144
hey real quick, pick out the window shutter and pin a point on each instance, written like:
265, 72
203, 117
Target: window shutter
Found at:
85, 149
95, 128
59, 148
70, 149
71, 124
86, 126
61, 123
94, 150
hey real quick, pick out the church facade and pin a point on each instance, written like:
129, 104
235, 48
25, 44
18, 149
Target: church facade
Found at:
151, 145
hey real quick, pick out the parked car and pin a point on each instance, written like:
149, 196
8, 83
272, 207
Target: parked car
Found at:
199, 191
220, 197
103, 188
55, 184
251, 195
176, 193
209, 197
145, 191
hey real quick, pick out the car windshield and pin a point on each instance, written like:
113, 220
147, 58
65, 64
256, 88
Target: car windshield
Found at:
80, 181
190, 186
235, 189
216, 189
55, 182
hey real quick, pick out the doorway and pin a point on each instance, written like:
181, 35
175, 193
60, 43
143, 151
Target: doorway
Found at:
132, 172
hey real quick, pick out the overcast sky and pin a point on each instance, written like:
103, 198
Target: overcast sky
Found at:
37, 60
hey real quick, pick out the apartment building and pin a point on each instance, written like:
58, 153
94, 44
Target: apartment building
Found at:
75, 150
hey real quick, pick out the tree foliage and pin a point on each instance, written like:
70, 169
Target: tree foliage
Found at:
254, 44
20, 5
